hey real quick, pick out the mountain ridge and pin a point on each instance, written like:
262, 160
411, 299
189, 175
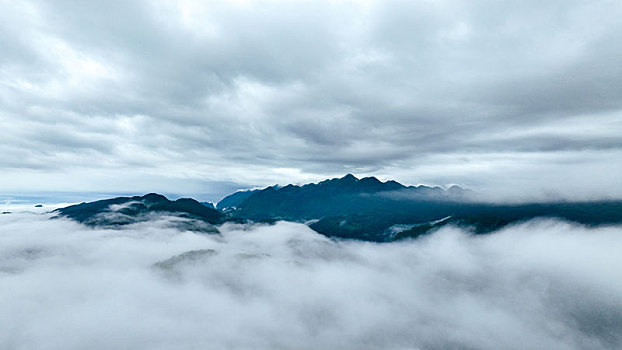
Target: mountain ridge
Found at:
345, 195
347, 207
121, 211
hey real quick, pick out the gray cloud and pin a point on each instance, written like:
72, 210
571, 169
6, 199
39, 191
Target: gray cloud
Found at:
539, 285
264, 92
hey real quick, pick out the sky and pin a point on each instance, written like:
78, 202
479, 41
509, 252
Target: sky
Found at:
515, 100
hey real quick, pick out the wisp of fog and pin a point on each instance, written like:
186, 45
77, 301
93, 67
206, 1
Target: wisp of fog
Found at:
537, 285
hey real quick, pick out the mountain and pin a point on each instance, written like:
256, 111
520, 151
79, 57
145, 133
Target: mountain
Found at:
208, 204
410, 219
339, 196
235, 199
129, 210
348, 207
369, 209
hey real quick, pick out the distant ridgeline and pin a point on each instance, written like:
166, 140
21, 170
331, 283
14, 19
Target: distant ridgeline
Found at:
122, 211
364, 209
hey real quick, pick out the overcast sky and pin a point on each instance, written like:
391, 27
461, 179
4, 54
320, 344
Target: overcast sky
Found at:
515, 99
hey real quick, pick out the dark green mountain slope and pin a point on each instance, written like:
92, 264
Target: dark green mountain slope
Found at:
128, 210
235, 199
343, 196
369, 209
411, 219
347, 207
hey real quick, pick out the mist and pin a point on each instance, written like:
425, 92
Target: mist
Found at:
537, 285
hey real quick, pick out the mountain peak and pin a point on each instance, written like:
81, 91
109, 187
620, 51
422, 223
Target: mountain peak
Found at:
153, 197
349, 177
370, 179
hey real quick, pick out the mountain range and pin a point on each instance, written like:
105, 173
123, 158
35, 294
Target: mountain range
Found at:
348, 207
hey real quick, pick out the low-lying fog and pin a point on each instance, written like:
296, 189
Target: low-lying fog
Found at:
540, 285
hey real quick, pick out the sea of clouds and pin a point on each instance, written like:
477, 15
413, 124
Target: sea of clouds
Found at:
538, 285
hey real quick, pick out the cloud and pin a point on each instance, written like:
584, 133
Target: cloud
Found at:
228, 91
539, 285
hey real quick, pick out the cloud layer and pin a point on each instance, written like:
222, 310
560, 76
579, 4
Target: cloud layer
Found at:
154, 96
540, 285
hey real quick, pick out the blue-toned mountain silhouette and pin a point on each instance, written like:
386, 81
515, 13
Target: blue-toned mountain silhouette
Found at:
348, 207
122, 211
